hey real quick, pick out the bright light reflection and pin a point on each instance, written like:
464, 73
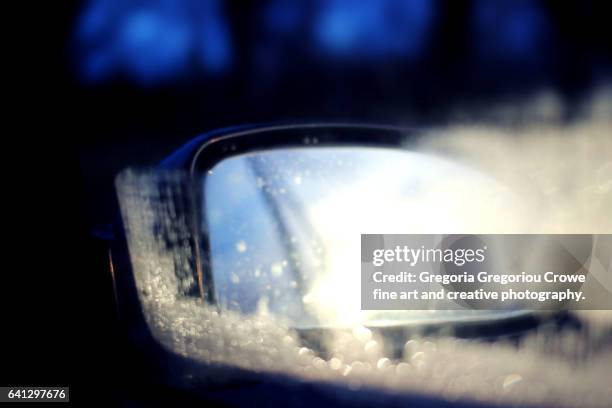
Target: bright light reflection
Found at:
332, 196
404, 193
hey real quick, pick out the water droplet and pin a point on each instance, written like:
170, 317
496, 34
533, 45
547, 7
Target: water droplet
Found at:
276, 269
383, 363
335, 363
241, 246
416, 357
403, 369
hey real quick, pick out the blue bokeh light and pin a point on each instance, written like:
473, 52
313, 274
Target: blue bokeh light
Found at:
165, 40
152, 42
153, 46
374, 28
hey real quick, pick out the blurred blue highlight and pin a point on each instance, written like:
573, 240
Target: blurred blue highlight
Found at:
152, 42
382, 28
160, 41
